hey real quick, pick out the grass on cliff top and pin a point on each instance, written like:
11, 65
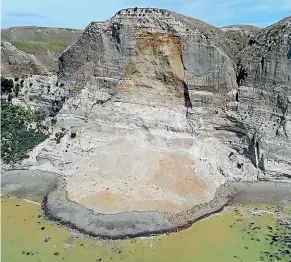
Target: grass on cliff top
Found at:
242, 39
35, 47
21, 131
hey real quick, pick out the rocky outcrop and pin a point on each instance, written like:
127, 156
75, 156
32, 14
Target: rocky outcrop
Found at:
266, 60
106, 53
45, 43
15, 61
36, 91
214, 34
263, 98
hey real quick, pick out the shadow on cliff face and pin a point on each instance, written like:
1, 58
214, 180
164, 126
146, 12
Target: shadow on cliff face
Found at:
241, 75
115, 33
187, 99
289, 53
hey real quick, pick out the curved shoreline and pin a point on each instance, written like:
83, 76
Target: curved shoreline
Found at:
56, 207
178, 228
144, 224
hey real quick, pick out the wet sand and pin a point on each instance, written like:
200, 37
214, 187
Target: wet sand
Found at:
275, 193
28, 182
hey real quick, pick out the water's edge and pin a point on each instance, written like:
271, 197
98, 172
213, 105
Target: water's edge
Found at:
56, 207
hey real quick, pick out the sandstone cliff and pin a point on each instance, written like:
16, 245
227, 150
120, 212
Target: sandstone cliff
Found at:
107, 51
150, 103
266, 59
263, 97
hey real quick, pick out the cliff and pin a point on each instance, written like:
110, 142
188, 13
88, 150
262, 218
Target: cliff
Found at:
264, 96
153, 111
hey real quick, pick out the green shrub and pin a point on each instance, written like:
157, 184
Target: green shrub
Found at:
76, 90
17, 138
53, 121
10, 96
59, 136
232, 36
6, 85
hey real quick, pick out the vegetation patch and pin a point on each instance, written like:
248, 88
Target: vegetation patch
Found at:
35, 47
76, 90
7, 85
60, 135
73, 134
240, 39
57, 46
21, 131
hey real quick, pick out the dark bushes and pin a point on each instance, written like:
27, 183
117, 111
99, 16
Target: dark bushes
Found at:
73, 134
6, 85
21, 131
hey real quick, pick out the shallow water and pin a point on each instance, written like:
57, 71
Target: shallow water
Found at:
233, 235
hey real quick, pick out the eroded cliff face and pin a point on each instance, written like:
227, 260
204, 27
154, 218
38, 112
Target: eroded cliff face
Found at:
150, 103
156, 68
266, 60
263, 98
106, 50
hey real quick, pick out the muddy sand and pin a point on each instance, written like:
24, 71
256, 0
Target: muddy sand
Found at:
56, 206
